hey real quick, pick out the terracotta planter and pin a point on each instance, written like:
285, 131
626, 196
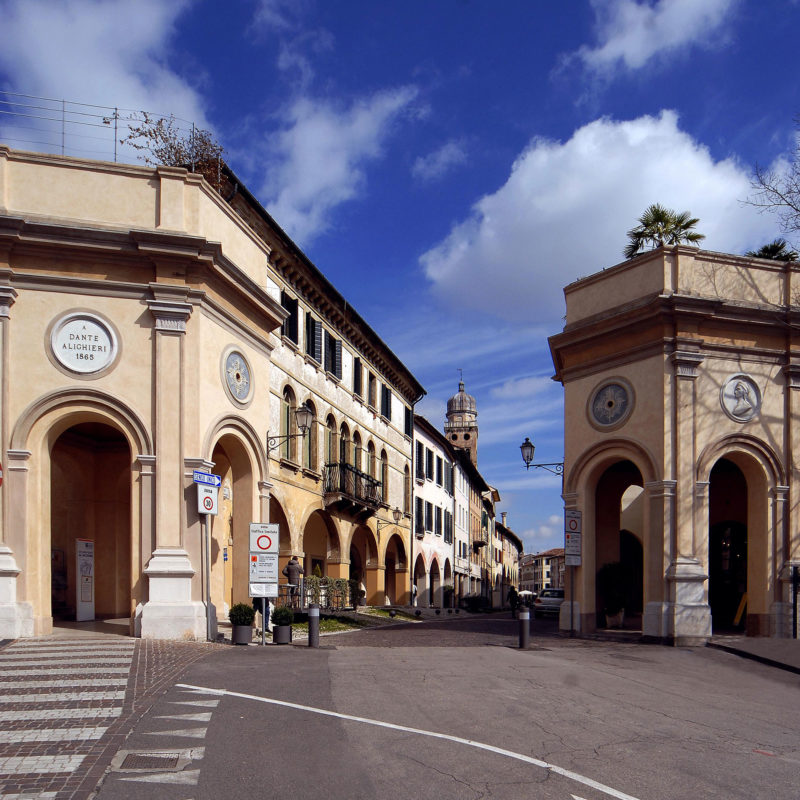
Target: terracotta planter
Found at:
242, 634
281, 634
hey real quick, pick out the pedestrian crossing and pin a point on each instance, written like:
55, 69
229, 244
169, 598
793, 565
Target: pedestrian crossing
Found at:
57, 698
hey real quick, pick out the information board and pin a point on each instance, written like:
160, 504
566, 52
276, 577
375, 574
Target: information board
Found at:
572, 538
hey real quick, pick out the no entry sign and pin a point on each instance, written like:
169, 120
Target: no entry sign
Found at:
264, 538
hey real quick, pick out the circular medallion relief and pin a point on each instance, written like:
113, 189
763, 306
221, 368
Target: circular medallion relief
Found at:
83, 343
740, 398
610, 404
236, 372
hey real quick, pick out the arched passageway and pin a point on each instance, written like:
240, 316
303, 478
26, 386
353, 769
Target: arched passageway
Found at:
230, 528
619, 555
396, 572
727, 547
90, 502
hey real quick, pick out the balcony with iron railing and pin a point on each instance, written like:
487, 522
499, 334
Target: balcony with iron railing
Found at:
351, 490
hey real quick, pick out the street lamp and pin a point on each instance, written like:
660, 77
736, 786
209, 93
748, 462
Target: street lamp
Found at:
527, 448
303, 417
396, 515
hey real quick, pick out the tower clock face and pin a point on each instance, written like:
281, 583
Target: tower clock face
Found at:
237, 375
610, 404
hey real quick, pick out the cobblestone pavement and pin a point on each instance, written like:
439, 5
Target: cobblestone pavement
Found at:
68, 704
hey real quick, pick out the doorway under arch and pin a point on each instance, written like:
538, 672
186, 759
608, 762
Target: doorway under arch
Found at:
396, 572
618, 514
230, 529
90, 499
727, 547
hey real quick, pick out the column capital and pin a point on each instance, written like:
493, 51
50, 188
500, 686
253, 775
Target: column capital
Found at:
660, 488
780, 493
686, 363
170, 316
791, 373
191, 464
8, 294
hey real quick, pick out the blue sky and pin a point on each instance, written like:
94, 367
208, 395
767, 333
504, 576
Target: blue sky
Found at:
450, 165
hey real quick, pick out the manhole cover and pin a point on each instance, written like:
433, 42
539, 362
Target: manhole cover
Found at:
146, 761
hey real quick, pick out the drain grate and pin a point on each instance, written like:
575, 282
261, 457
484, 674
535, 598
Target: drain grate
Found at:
150, 761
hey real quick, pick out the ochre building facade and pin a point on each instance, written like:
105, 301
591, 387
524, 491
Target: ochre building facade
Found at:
681, 375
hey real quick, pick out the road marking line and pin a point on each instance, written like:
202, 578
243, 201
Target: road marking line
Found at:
205, 717
189, 733
565, 773
187, 778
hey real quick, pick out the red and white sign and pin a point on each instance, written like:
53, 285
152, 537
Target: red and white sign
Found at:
264, 538
206, 499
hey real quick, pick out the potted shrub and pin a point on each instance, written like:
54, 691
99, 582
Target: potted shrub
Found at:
282, 618
612, 581
241, 616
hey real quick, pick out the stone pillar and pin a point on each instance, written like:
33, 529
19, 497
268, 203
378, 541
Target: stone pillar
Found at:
689, 614
375, 581
660, 498
780, 610
16, 619
170, 612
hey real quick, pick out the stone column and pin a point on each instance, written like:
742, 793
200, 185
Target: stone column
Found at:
790, 539
170, 611
690, 615
780, 610
660, 497
16, 619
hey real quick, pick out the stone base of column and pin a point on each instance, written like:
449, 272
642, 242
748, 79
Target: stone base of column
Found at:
564, 617
170, 613
16, 619
688, 614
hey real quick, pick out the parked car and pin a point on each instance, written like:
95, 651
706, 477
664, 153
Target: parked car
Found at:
548, 602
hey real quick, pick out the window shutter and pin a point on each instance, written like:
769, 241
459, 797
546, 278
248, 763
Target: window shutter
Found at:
420, 471
357, 376
337, 358
409, 422
418, 516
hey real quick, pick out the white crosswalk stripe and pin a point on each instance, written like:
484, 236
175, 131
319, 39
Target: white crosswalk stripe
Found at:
39, 675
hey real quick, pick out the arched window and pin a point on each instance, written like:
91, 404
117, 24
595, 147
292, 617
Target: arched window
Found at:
371, 460
357, 450
288, 424
384, 477
344, 444
310, 440
331, 441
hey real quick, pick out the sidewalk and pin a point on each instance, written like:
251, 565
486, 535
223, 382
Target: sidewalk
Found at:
781, 653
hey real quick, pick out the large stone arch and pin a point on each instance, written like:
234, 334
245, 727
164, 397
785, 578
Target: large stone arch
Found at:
583, 483
767, 534
28, 490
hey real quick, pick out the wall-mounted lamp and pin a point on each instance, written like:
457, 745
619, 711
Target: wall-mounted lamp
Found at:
303, 418
527, 448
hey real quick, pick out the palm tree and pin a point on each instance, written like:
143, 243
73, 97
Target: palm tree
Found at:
777, 250
659, 226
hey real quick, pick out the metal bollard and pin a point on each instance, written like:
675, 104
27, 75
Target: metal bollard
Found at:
313, 625
524, 628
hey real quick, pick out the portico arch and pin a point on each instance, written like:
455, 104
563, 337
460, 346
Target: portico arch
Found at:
595, 485
94, 418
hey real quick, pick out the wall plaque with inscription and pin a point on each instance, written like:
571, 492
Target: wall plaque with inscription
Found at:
83, 343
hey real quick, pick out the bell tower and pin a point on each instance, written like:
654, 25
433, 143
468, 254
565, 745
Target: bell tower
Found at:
461, 428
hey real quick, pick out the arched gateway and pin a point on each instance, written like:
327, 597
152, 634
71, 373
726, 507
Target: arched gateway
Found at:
681, 401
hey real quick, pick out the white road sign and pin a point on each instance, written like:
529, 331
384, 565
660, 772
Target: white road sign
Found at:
572, 538
264, 538
206, 499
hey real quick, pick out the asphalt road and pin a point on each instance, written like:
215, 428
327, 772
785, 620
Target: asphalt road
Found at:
464, 714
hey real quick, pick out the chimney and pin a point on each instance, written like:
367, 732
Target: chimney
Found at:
503, 518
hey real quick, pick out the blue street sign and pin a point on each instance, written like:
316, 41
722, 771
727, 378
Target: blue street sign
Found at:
206, 478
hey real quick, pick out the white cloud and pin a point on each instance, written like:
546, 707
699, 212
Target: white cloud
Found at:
109, 52
319, 159
565, 208
633, 32
440, 161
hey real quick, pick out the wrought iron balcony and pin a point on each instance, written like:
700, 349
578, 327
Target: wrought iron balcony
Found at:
351, 489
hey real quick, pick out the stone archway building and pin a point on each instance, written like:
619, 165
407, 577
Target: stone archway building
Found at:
681, 375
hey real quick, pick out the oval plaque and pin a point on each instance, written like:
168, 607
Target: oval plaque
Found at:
83, 343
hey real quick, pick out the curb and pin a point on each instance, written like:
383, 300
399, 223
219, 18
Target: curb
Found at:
770, 662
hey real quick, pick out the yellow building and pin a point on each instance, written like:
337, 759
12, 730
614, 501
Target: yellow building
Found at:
140, 340
681, 371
